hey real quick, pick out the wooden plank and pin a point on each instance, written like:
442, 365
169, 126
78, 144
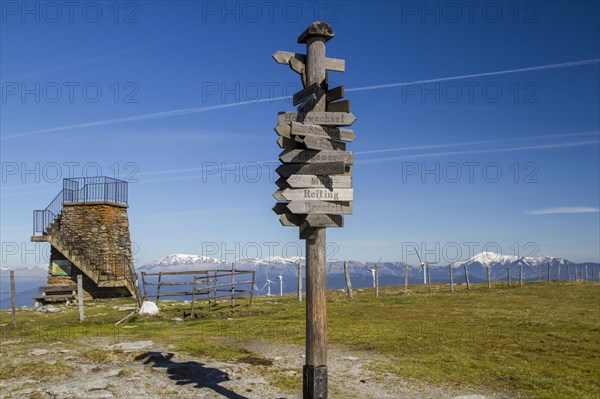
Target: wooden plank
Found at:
176, 273
313, 156
317, 194
318, 118
288, 219
305, 129
308, 92
323, 144
337, 93
339, 106
324, 220
288, 144
331, 64
326, 168
310, 181
58, 288
333, 208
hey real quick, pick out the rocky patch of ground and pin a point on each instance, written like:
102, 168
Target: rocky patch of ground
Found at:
97, 368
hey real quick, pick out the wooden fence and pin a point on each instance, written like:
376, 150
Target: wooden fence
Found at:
204, 285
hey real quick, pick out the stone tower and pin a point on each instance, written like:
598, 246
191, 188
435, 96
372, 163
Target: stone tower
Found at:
87, 228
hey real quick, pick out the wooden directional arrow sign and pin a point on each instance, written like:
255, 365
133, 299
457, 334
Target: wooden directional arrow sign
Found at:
284, 130
331, 64
305, 129
317, 194
318, 118
288, 144
339, 106
308, 104
328, 168
278, 195
298, 66
312, 156
323, 144
280, 208
324, 220
308, 181
306, 93
334, 208
335, 94
289, 219
282, 183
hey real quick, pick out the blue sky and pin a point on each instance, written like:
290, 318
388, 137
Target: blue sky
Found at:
172, 95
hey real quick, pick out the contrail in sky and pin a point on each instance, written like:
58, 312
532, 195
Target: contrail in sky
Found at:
478, 75
187, 111
467, 143
489, 151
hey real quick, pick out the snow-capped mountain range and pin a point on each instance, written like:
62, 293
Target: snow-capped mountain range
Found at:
476, 265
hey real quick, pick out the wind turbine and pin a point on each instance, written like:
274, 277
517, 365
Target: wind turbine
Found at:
372, 273
268, 286
280, 284
423, 266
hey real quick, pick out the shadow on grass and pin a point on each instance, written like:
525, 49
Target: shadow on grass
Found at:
190, 373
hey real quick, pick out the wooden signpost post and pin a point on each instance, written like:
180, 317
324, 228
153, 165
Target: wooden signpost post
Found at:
315, 188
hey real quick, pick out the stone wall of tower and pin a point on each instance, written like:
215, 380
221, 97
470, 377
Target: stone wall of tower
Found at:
97, 233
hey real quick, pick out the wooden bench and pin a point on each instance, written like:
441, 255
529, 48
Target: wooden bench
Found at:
56, 293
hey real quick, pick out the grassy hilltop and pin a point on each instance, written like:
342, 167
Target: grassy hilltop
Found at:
540, 341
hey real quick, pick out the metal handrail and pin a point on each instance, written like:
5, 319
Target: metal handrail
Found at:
80, 190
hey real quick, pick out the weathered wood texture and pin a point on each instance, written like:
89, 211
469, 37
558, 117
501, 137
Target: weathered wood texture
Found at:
334, 208
317, 194
335, 94
520, 275
451, 278
307, 129
316, 247
325, 168
331, 64
405, 279
80, 296
316, 309
312, 181
312, 156
299, 280
348, 282
13, 291
318, 118
339, 106
467, 277
323, 220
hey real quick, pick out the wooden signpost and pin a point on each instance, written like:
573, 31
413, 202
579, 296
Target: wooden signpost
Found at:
315, 188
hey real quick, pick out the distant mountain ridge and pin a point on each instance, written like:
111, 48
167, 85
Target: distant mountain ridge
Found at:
476, 265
